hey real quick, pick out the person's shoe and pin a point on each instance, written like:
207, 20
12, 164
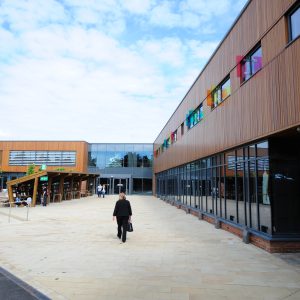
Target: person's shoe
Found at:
119, 237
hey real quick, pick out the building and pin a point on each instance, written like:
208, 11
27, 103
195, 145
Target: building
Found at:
126, 164
129, 165
230, 153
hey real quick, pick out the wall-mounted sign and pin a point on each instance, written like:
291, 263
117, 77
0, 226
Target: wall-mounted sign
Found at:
44, 178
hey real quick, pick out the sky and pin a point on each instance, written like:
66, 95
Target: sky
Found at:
102, 70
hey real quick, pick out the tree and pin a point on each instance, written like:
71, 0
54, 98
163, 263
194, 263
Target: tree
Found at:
30, 169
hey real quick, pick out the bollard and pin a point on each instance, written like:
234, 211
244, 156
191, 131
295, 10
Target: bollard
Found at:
9, 212
27, 212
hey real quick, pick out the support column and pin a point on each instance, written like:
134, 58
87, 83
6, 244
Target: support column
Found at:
61, 186
49, 189
35, 188
71, 185
10, 194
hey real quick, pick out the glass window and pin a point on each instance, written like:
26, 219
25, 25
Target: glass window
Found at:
251, 63
256, 61
226, 89
129, 148
195, 116
50, 158
174, 136
295, 24
221, 92
182, 129
217, 97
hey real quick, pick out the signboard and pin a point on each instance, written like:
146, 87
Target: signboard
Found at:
43, 168
119, 184
44, 178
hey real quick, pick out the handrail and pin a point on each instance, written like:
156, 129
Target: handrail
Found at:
28, 205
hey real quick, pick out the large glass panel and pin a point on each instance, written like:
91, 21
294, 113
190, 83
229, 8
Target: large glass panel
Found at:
222, 192
188, 184
128, 148
194, 182
230, 183
209, 190
203, 189
263, 187
113, 159
137, 185
147, 185
295, 24
240, 185
253, 188
101, 159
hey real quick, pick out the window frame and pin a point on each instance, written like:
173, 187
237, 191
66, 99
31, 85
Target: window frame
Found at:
289, 18
199, 111
248, 59
219, 88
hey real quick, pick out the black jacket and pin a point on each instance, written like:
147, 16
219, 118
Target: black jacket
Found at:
122, 209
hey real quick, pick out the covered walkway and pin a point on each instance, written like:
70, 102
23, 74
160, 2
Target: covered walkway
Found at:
59, 185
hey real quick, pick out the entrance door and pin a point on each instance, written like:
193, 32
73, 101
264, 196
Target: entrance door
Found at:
121, 185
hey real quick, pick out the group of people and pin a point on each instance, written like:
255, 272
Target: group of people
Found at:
101, 190
44, 196
20, 202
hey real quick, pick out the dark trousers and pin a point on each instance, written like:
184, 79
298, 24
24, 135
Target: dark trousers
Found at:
44, 200
122, 227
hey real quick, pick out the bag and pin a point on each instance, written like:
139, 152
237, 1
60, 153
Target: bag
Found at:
129, 227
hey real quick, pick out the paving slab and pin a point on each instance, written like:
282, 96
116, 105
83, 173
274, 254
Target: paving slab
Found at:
70, 250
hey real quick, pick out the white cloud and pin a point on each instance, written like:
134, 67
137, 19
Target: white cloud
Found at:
137, 6
26, 15
188, 13
162, 15
202, 50
168, 51
77, 72
206, 8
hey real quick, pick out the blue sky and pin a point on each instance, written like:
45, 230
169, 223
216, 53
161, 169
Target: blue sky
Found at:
102, 70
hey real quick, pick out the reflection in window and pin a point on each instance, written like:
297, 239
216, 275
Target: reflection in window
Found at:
251, 63
234, 186
294, 24
221, 92
230, 183
195, 117
119, 156
49, 158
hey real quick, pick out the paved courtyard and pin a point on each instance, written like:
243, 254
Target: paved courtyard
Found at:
70, 250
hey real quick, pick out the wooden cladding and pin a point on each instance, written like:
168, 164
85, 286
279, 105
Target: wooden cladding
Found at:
266, 103
80, 147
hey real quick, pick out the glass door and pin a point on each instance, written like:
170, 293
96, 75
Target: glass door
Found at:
121, 185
